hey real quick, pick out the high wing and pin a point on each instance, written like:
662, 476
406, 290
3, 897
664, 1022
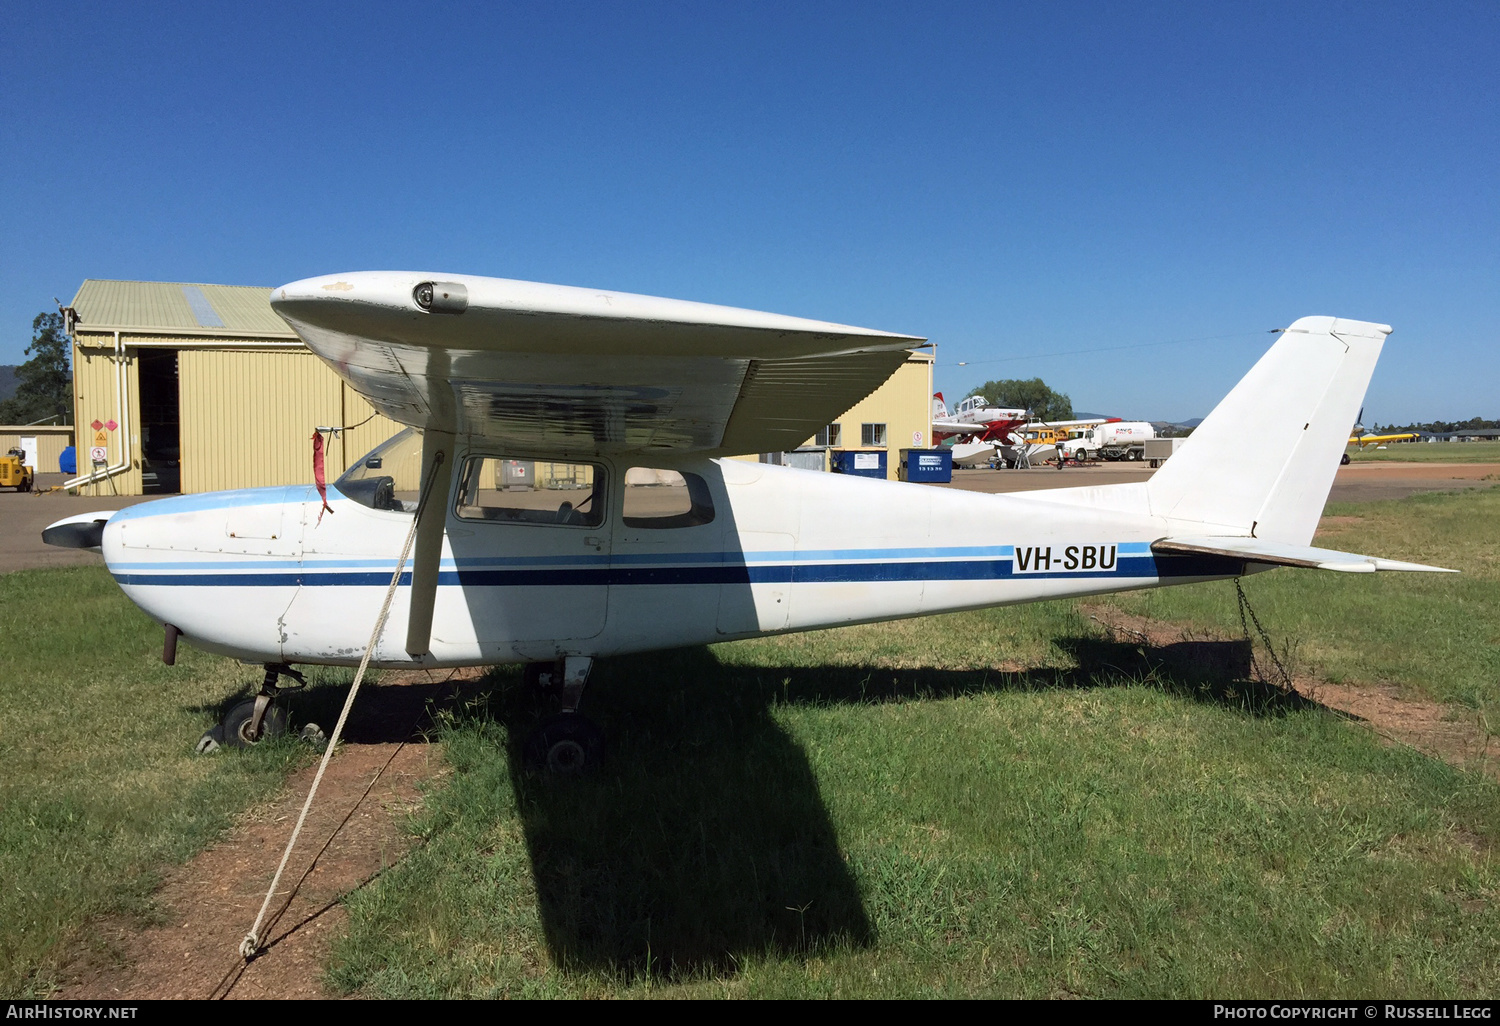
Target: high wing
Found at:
550, 369
1400, 436
992, 429
1085, 422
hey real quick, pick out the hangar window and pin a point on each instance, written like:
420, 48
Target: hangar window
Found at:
666, 498
531, 492
830, 436
872, 435
388, 476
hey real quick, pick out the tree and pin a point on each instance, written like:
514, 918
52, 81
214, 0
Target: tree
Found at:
1031, 394
44, 383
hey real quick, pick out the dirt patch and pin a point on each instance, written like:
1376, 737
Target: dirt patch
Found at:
1446, 732
356, 830
1450, 733
1366, 482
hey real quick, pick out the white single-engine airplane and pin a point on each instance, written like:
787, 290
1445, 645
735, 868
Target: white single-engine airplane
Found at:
564, 469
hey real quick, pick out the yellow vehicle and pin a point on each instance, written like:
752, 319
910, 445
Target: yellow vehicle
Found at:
14, 473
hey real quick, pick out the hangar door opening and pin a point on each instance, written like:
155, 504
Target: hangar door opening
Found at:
161, 422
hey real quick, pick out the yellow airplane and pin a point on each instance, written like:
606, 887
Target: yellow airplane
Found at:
1364, 440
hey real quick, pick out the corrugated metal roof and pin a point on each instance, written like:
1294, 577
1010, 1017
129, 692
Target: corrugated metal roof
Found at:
174, 308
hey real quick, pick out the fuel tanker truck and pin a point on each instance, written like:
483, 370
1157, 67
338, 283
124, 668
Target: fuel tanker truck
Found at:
1115, 440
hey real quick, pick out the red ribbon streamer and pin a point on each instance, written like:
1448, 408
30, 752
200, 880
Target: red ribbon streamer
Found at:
319, 476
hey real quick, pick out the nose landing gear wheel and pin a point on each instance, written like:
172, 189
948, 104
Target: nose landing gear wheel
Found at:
568, 744
237, 725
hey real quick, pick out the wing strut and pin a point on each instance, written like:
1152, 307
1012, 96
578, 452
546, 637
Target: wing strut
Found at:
437, 473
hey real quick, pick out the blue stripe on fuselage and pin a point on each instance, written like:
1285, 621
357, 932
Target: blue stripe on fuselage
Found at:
727, 573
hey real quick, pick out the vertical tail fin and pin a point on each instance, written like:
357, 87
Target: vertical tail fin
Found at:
1262, 462
939, 408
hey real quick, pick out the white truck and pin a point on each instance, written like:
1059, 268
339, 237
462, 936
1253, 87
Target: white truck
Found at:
1113, 440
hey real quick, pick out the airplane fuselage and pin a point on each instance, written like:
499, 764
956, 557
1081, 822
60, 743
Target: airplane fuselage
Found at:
259, 576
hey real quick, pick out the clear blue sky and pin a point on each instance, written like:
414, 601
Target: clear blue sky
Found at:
1017, 181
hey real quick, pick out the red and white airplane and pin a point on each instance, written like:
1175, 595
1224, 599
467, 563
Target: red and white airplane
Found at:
974, 418
978, 428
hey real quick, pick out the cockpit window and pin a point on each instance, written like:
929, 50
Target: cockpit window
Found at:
531, 492
389, 476
666, 498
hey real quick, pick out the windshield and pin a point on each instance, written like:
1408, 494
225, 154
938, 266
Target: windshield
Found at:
389, 476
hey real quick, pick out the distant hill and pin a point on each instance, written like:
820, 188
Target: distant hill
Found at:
1175, 429
1179, 426
8, 381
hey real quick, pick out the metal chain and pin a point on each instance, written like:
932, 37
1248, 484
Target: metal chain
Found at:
1286, 678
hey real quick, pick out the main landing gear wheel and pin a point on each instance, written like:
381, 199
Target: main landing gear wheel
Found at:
568, 744
237, 733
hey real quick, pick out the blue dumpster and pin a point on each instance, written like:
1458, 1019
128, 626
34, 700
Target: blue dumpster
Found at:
927, 466
860, 464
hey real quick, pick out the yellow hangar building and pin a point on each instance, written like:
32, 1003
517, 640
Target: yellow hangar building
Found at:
197, 388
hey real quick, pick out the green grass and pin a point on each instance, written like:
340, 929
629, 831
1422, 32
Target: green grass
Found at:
1436, 635
101, 787
1003, 803
774, 824
1424, 452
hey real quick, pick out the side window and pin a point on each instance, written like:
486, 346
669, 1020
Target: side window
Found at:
872, 435
531, 492
829, 436
389, 477
666, 498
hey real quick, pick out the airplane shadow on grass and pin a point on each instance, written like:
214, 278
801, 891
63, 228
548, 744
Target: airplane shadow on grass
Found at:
703, 837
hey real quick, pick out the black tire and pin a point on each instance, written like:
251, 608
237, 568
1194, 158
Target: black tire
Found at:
237, 723
1132, 455
568, 744
1344, 460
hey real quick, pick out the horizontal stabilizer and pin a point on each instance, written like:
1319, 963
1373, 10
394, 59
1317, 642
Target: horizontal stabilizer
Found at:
1257, 550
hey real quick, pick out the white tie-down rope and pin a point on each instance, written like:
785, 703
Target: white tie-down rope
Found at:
251, 944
